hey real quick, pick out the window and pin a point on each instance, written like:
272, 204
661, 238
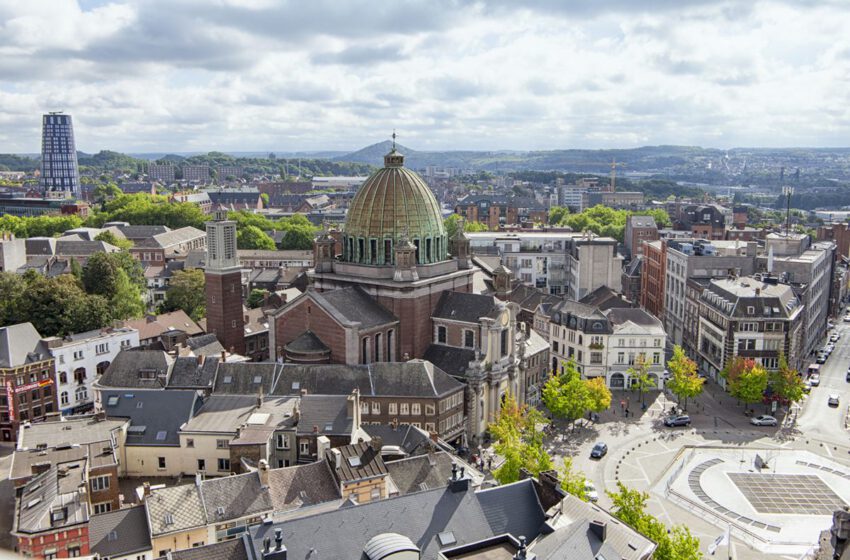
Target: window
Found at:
749, 327
429, 427
282, 441
441, 334
393, 408
81, 394
99, 483
504, 342
621, 357
376, 407
63, 398
415, 408
74, 552
304, 447
105, 507
656, 358
161, 463
224, 465
376, 493
747, 344
429, 410
190, 442
596, 358
78, 355
221, 444
63, 377
405, 409
102, 348
468, 339
202, 464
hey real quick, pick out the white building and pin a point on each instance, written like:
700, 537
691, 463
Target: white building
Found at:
81, 358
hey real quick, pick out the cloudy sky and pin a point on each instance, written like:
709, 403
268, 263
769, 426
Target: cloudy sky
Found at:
192, 75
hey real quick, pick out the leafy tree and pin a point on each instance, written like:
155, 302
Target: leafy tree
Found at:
747, 380
641, 381
146, 209
76, 271
471, 227
518, 441
186, 292
298, 237
557, 214
629, 506
12, 287
252, 237
786, 382
105, 191
265, 198
598, 394
256, 298
59, 306
566, 395
100, 275
112, 239
573, 481
126, 301
684, 381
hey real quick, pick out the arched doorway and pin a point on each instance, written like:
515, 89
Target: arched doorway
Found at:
80, 375
618, 380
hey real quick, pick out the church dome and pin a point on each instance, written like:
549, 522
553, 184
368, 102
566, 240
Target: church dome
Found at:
394, 206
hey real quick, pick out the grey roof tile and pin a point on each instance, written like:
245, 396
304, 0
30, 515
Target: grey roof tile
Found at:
454, 361
120, 532
155, 416
327, 413
175, 508
468, 308
246, 378
355, 306
226, 550
21, 344
137, 369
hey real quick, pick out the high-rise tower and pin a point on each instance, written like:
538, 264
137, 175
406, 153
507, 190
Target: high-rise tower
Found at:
224, 284
59, 173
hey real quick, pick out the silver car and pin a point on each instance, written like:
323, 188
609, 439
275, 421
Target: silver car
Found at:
763, 420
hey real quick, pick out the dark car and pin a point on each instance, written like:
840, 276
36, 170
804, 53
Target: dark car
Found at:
681, 420
599, 450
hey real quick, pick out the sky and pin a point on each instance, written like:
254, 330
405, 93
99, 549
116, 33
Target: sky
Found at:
256, 75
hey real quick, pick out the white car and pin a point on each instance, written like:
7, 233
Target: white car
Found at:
834, 338
814, 379
833, 400
847, 318
763, 420
590, 492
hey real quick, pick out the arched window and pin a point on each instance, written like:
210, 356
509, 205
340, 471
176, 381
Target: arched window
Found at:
378, 347
390, 349
63, 377
364, 350
81, 393
101, 367
63, 398
80, 374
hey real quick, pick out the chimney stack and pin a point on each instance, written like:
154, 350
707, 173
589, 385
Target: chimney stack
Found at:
521, 553
223, 356
146, 489
377, 444
263, 471
599, 528
278, 539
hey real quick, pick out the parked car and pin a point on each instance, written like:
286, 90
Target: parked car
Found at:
821, 359
590, 492
599, 450
847, 377
834, 338
680, 420
814, 379
807, 386
829, 348
847, 318
763, 420
832, 400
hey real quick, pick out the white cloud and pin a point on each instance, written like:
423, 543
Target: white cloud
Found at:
169, 75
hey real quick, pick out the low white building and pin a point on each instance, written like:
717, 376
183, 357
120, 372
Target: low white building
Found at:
81, 358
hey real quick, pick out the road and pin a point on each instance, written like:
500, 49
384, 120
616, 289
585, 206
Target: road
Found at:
817, 419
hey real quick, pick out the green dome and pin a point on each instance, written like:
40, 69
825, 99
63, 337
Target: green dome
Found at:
394, 204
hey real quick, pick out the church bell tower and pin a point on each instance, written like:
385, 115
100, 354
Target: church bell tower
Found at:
223, 276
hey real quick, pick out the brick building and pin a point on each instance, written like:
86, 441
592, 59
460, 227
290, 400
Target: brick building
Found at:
223, 287
27, 373
653, 270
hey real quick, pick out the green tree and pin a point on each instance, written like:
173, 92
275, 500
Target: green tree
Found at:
566, 395
105, 191
59, 306
786, 382
573, 481
12, 287
684, 381
112, 239
252, 237
677, 543
126, 301
298, 238
265, 198
519, 441
640, 379
557, 215
186, 292
747, 380
256, 298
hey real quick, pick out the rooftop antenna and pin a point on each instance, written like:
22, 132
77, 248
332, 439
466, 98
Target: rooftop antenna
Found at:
787, 191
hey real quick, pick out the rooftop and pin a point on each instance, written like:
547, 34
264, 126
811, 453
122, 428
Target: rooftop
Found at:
79, 430
155, 416
119, 532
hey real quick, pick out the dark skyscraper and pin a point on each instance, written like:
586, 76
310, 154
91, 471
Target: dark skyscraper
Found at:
59, 172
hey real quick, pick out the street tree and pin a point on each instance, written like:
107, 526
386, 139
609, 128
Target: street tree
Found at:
519, 441
566, 395
112, 239
186, 292
786, 382
747, 380
252, 237
126, 301
598, 394
573, 481
641, 381
684, 381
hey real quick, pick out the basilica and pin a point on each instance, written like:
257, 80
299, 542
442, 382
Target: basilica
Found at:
393, 287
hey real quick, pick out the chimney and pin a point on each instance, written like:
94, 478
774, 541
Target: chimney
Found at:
323, 444
521, 553
259, 397
247, 320
146, 489
224, 356
459, 482
377, 444
279, 551
198, 479
263, 471
200, 359
599, 528
337, 458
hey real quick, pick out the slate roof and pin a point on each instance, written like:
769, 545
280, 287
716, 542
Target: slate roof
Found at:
469, 516
21, 344
573, 539
423, 472
358, 461
302, 485
232, 497
246, 378
168, 239
205, 345
454, 361
306, 343
604, 298
82, 248
353, 305
637, 316
580, 316
137, 369
137, 233
152, 327
186, 373
407, 438
327, 412
222, 413
160, 413
175, 508
57, 487
416, 378
226, 550
119, 532
468, 308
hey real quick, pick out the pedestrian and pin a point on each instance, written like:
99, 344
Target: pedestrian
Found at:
489, 463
